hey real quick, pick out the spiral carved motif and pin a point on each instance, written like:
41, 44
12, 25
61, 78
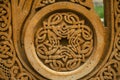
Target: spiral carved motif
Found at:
64, 42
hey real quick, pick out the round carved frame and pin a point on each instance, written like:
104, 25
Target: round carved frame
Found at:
84, 69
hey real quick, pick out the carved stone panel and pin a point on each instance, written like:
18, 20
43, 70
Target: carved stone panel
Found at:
58, 40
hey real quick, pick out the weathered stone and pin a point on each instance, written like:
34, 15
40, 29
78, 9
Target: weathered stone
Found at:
59, 40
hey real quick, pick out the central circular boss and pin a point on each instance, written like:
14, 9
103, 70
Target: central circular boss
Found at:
64, 41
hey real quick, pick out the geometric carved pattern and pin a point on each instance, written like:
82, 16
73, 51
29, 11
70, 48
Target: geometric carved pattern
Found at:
66, 41
6, 46
111, 69
43, 3
63, 32
10, 67
60, 41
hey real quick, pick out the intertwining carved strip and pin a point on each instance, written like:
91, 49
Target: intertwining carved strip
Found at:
77, 42
10, 66
7, 53
111, 70
86, 3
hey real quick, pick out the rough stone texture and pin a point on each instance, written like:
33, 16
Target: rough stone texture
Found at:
59, 40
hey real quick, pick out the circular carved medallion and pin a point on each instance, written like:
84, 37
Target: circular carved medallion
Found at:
63, 41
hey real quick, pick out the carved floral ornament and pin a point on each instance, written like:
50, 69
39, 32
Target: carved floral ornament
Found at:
58, 40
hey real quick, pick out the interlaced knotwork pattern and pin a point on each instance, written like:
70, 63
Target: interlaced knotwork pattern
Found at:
64, 42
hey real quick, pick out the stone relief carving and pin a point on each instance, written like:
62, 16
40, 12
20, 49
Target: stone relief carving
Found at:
111, 69
49, 39
85, 3
64, 42
10, 66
